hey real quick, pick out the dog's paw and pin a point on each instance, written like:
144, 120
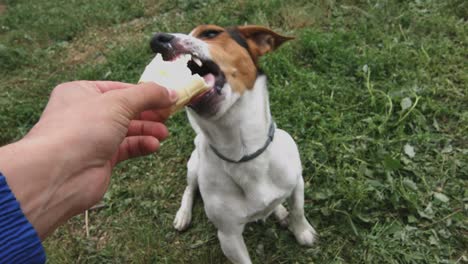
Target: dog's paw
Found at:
305, 234
284, 222
281, 215
182, 219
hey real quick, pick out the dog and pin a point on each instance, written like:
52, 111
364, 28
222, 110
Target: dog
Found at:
242, 164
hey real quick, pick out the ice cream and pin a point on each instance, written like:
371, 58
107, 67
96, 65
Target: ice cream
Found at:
177, 76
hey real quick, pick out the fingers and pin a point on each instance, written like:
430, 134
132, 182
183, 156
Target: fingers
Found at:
143, 138
143, 97
147, 128
135, 146
160, 115
105, 86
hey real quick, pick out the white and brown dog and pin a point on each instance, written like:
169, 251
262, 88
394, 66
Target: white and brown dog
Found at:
242, 164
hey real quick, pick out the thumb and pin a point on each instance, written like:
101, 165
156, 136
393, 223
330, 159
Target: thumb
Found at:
145, 96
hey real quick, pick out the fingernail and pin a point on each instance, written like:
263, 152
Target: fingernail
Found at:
173, 95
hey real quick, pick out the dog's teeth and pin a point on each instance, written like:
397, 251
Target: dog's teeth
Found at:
197, 61
184, 58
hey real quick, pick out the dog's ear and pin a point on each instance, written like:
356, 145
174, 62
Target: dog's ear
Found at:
262, 40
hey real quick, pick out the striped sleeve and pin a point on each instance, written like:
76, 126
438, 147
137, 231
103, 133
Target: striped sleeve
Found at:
19, 242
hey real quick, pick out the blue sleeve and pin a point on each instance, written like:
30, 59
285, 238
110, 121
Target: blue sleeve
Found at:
19, 242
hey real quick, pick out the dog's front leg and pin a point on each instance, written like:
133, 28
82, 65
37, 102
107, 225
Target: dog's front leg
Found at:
232, 244
303, 231
184, 214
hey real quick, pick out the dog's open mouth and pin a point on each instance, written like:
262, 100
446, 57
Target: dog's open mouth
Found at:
212, 75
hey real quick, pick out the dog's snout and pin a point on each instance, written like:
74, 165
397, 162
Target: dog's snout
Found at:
163, 37
161, 43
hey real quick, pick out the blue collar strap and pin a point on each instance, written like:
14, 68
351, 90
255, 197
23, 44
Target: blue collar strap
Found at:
271, 134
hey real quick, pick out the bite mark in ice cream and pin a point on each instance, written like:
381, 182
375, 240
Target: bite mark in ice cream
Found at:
176, 75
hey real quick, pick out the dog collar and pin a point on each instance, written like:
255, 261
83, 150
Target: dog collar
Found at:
271, 134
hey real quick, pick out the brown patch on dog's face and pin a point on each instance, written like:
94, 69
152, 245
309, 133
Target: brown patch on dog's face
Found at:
237, 50
234, 60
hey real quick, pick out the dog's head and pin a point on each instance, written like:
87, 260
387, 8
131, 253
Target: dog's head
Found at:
227, 58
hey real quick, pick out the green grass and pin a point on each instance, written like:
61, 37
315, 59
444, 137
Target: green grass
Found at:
363, 84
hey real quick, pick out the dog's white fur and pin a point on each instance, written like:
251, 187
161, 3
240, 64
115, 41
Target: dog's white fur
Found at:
235, 194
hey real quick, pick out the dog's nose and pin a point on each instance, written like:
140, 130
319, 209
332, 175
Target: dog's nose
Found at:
160, 43
163, 37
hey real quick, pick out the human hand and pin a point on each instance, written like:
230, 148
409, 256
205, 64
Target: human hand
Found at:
63, 165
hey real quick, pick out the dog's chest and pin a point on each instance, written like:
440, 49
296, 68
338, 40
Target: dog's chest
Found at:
247, 190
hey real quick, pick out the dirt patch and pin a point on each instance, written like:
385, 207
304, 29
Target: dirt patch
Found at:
92, 45
302, 16
3, 9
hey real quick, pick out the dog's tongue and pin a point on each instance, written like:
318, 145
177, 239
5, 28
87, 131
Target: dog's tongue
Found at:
209, 79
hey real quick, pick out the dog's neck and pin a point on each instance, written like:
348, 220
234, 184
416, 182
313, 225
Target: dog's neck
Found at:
243, 129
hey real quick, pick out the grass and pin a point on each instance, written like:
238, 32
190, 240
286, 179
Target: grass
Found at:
374, 92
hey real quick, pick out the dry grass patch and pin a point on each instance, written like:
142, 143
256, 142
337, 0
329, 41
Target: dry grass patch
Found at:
93, 45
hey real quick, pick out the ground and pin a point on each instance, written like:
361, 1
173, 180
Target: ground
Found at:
374, 92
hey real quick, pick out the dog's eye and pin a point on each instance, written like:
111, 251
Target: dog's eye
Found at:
210, 33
